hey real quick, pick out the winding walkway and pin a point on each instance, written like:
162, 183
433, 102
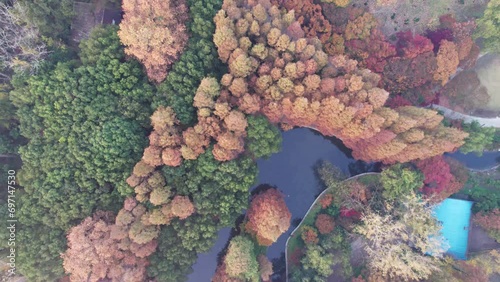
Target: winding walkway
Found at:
310, 208
493, 122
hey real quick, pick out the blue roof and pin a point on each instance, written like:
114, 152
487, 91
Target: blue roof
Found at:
454, 214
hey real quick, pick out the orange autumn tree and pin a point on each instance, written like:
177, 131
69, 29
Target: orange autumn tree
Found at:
324, 223
293, 82
297, 84
447, 61
99, 250
154, 32
268, 217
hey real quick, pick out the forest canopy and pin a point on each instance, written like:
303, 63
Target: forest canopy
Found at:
140, 143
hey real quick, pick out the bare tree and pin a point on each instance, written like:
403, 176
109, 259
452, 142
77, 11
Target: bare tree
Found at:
20, 47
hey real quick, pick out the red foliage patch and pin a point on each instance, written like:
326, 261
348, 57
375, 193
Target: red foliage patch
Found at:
295, 256
345, 212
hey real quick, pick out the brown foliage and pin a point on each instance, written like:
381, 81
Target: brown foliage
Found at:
326, 201
309, 235
324, 223
311, 19
182, 207
162, 120
292, 81
268, 216
142, 169
171, 157
470, 272
295, 256
152, 156
488, 221
360, 28
401, 74
97, 252
447, 61
265, 268
154, 32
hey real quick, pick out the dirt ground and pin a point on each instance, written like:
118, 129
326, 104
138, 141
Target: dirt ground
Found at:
480, 241
419, 15
488, 70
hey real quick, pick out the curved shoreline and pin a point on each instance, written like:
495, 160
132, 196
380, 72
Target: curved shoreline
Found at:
484, 170
305, 215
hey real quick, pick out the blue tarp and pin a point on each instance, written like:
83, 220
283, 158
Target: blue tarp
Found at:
454, 215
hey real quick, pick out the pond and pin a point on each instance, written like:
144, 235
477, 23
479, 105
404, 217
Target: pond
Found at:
475, 162
292, 172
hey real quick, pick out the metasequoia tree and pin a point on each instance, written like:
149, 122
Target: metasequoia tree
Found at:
310, 19
218, 120
268, 217
399, 241
99, 250
150, 185
280, 76
155, 33
298, 84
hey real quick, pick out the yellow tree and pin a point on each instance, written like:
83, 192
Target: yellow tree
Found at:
447, 61
398, 242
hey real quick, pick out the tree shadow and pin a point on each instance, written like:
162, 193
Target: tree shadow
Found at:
279, 268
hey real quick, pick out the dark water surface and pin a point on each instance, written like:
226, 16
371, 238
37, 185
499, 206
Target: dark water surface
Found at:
292, 172
473, 161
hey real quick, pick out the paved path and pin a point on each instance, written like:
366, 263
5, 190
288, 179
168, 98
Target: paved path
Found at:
310, 208
493, 122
